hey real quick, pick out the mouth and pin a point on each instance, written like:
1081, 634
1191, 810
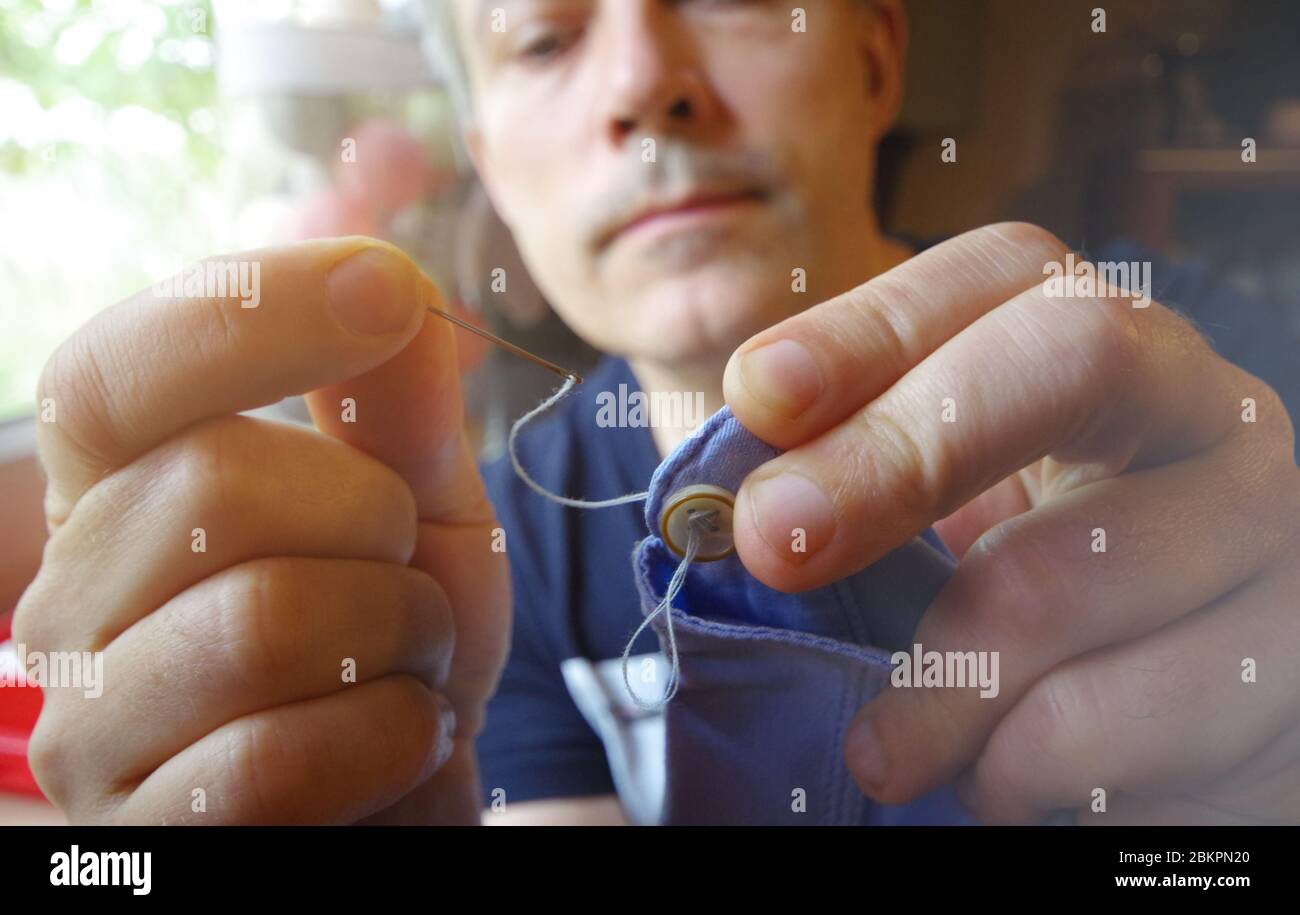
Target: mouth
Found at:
693, 209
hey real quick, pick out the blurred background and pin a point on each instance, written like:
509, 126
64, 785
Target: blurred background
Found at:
137, 136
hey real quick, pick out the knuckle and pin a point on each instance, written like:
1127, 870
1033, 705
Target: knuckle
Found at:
1278, 419
878, 327
1016, 586
1105, 343
1113, 339
206, 477
1053, 711
47, 749
1185, 336
915, 475
415, 716
407, 723
259, 603
31, 624
252, 751
426, 620
1268, 439
76, 380
62, 767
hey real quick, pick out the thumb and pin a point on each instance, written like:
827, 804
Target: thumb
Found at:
407, 413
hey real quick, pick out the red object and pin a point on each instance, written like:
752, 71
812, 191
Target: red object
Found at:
19, 708
391, 169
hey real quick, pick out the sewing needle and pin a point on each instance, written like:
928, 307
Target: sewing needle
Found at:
507, 345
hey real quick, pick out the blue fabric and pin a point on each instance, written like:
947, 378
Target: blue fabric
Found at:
770, 681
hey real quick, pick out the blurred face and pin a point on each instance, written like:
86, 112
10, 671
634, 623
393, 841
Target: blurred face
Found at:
666, 166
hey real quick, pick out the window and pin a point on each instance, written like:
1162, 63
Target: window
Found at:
108, 160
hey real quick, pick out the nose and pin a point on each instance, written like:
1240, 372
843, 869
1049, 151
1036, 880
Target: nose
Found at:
655, 83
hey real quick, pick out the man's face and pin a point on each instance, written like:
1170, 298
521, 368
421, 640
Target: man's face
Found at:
666, 166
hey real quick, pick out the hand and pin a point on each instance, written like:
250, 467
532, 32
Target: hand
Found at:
224, 667
1068, 420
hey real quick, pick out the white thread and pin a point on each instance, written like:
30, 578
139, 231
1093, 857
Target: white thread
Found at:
697, 523
538, 487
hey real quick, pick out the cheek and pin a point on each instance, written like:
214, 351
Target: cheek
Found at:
526, 172
533, 176
807, 104
529, 145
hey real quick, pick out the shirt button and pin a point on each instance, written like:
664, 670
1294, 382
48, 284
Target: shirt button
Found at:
716, 543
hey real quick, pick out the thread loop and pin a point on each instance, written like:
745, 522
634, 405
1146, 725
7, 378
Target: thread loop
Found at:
700, 523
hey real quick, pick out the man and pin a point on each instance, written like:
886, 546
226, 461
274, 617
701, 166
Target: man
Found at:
369, 545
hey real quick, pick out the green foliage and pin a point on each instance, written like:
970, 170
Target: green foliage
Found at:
104, 39
108, 140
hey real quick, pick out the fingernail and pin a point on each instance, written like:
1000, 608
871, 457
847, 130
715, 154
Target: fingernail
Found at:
782, 376
865, 757
370, 292
446, 731
793, 515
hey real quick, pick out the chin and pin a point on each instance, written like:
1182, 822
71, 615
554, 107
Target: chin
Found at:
700, 315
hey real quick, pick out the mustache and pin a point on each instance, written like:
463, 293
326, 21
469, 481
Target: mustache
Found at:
679, 169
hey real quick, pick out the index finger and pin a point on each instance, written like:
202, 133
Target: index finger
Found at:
1088, 381
259, 326
805, 375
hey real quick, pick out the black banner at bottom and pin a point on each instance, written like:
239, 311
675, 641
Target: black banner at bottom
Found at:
335, 864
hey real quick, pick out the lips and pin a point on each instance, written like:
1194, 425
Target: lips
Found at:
697, 202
